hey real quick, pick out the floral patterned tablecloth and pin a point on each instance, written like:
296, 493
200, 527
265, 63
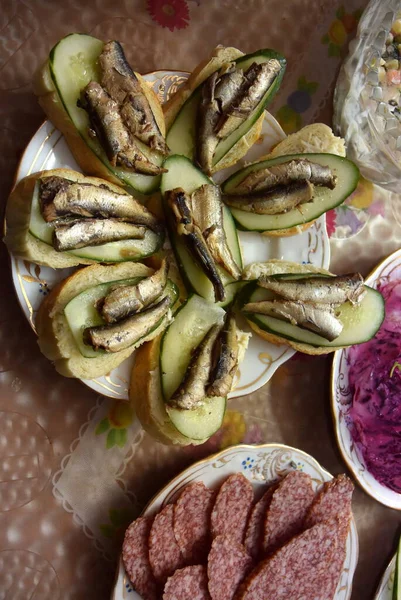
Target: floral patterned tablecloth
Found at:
74, 467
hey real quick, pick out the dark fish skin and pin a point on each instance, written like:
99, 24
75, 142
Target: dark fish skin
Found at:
276, 201
317, 318
217, 93
326, 290
71, 235
191, 392
207, 116
49, 187
180, 204
223, 373
122, 335
285, 174
125, 300
258, 79
108, 126
60, 197
207, 212
121, 83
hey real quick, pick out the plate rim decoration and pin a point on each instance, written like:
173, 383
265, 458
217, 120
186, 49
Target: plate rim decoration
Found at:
213, 463
385, 588
345, 444
265, 356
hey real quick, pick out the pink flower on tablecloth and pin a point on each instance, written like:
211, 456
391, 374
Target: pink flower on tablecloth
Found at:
331, 222
173, 14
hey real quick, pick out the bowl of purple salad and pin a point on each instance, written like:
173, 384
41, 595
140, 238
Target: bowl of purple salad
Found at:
366, 396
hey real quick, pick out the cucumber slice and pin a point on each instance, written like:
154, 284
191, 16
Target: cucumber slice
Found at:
182, 173
120, 251
360, 321
201, 423
190, 325
397, 574
81, 311
324, 198
181, 135
73, 63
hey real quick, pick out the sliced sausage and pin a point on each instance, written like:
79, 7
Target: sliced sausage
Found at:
334, 502
297, 571
164, 553
189, 583
136, 558
287, 510
254, 528
192, 522
227, 565
232, 507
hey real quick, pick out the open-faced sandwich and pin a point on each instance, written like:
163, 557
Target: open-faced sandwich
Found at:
112, 121
217, 115
93, 320
283, 193
60, 218
202, 232
309, 308
180, 380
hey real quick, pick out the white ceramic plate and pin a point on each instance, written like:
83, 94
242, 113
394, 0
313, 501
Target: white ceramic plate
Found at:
260, 464
341, 401
385, 589
48, 150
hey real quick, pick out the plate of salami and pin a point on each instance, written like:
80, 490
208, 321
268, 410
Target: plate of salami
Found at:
249, 522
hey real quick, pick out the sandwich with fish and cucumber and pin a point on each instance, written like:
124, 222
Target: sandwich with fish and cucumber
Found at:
60, 218
309, 308
217, 114
284, 192
181, 379
111, 119
93, 320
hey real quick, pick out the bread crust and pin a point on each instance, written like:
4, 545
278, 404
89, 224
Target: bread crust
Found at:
20, 242
276, 267
54, 336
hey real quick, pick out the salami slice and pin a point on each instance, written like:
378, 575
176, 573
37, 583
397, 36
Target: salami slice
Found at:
227, 565
164, 553
189, 583
232, 507
254, 528
296, 571
287, 510
136, 560
334, 502
192, 522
